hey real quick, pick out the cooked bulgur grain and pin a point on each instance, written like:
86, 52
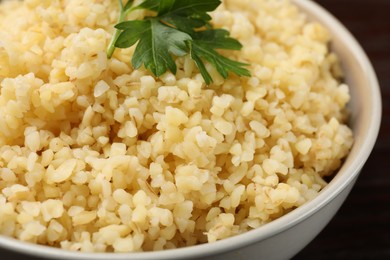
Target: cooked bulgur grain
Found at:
96, 156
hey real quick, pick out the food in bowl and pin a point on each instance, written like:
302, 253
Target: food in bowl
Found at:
98, 156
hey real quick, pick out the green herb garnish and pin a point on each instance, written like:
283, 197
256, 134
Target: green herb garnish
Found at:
179, 27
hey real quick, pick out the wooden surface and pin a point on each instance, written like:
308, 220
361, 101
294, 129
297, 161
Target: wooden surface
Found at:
361, 229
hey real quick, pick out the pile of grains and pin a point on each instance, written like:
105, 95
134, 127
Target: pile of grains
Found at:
96, 156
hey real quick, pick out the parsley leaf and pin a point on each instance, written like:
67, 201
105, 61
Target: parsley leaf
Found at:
188, 7
127, 6
223, 65
178, 28
151, 5
156, 44
218, 39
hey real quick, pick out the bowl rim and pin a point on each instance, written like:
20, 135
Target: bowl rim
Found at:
276, 226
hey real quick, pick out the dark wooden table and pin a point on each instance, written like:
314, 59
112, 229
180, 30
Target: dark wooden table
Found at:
361, 229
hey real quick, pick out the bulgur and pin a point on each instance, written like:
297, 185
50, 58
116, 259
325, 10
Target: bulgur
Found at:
96, 156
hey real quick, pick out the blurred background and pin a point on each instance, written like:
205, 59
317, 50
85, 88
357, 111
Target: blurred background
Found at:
361, 229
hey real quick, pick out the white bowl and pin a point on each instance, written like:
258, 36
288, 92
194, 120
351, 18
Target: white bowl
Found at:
286, 236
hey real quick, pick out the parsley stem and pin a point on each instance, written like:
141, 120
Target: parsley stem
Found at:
111, 46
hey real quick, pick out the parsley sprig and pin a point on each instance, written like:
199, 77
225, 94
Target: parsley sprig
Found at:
179, 28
